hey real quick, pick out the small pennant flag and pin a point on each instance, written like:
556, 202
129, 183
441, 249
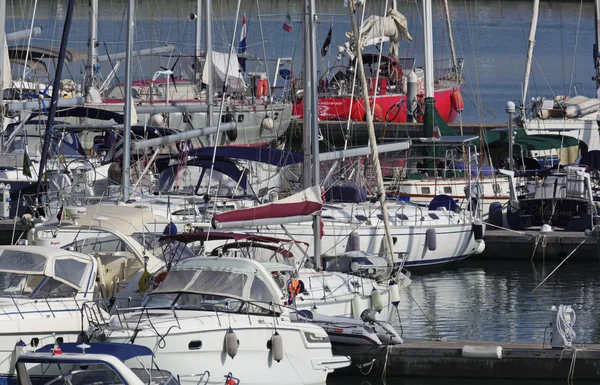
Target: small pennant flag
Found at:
436, 132
242, 47
327, 42
287, 24
26, 164
56, 349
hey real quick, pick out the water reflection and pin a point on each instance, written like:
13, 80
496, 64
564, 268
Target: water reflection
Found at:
493, 301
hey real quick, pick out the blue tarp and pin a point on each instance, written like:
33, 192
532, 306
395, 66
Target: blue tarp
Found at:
123, 352
272, 156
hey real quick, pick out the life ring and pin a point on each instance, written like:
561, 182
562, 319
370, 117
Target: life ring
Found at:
159, 278
262, 88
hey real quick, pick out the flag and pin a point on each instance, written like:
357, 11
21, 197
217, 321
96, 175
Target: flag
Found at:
327, 42
287, 24
436, 132
61, 214
26, 164
242, 47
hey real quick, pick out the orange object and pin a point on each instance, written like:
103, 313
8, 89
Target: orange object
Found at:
457, 101
262, 88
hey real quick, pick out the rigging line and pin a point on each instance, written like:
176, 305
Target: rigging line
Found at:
437, 334
29, 38
560, 264
262, 37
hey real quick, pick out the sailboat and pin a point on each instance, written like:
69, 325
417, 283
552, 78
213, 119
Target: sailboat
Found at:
577, 117
395, 85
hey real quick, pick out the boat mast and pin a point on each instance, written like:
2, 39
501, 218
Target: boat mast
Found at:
532, 29
55, 94
126, 164
311, 121
208, 62
597, 45
197, 50
2, 64
92, 63
451, 37
372, 139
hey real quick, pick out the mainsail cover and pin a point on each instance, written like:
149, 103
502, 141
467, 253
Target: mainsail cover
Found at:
6, 73
231, 76
299, 207
376, 29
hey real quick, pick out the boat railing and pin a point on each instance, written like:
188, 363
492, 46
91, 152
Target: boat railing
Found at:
203, 378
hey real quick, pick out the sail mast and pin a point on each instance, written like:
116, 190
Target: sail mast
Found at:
55, 94
92, 63
126, 164
372, 139
597, 45
2, 62
311, 122
532, 29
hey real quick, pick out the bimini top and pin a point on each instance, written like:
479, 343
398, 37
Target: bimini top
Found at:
124, 219
121, 351
67, 267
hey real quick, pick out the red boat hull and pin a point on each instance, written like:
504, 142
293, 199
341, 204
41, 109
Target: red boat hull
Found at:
389, 108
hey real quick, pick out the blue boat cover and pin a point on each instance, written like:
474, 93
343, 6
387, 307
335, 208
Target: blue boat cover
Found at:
123, 352
274, 156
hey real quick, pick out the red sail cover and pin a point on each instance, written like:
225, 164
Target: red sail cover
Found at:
296, 208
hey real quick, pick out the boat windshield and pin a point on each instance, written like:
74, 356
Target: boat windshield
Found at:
25, 274
190, 180
97, 374
226, 285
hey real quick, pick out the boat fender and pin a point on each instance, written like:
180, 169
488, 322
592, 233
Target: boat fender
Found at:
277, 347
479, 248
478, 230
156, 120
232, 134
376, 300
430, 239
353, 243
268, 123
170, 229
394, 293
470, 351
357, 306
231, 343
495, 214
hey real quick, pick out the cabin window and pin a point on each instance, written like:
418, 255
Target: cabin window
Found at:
240, 118
402, 217
433, 216
360, 218
70, 270
447, 190
189, 211
35, 342
275, 115
195, 345
381, 217
497, 189
425, 190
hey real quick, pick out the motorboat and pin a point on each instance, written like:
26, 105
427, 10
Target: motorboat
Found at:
93, 363
227, 314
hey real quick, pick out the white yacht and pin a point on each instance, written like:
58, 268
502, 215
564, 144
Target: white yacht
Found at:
225, 315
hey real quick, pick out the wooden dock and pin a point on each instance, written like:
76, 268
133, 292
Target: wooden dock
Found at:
444, 359
502, 244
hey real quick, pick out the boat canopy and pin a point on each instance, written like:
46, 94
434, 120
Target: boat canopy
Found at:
273, 156
230, 76
124, 219
214, 277
298, 207
221, 236
70, 268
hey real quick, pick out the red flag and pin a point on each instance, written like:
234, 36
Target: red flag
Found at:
287, 24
